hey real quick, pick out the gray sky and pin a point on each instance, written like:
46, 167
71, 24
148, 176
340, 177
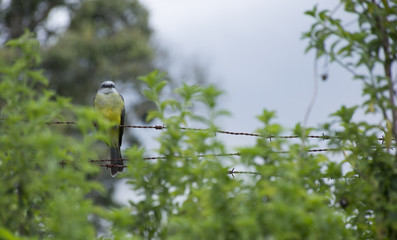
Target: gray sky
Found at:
254, 52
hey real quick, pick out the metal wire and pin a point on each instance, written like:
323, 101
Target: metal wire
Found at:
99, 162
208, 155
163, 127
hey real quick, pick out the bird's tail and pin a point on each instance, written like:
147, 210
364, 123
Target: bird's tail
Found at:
115, 153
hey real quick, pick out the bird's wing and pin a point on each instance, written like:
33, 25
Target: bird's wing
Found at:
121, 129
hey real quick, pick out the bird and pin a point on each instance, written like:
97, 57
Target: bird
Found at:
109, 103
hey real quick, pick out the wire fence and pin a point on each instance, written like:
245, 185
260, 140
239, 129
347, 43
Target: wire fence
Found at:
163, 127
108, 162
208, 155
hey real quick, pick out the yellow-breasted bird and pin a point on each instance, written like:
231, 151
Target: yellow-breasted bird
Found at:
110, 104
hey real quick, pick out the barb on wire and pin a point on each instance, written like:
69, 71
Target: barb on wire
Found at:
156, 127
62, 163
60, 122
232, 172
107, 160
111, 165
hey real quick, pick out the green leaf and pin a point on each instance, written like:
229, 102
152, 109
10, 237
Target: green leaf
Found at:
159, 86
323, 15
345, 113
267, 116
152, 96
153, 115
312, 12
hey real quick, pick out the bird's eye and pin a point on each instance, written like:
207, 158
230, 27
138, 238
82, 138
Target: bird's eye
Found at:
107, 85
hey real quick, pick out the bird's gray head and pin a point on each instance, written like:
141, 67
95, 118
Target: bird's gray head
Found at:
107, 84
107, 87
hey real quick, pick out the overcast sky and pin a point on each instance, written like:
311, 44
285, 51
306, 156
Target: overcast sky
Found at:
254, 52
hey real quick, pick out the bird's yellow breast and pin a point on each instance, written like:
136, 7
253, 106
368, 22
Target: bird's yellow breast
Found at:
110, 106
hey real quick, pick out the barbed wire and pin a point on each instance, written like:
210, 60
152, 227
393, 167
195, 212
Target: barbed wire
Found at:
61, 122
163, 127
208, 155
99, 162
232, 172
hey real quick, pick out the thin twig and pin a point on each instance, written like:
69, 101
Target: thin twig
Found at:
313, 99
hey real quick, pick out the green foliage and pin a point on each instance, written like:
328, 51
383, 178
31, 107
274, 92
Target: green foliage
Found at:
187, 193
294, 195
43, 171
98, 40
368, 50
185, 196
